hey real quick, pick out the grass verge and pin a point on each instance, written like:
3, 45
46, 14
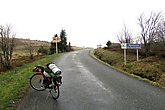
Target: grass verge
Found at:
122, 71
14, 83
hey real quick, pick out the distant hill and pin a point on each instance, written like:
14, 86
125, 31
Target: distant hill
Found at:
24, 44
21, 44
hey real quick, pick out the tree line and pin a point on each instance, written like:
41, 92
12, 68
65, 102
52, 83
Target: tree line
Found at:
152, 32
62, 45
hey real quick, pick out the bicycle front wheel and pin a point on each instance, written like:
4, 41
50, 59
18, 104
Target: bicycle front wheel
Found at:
55, 92
36, 82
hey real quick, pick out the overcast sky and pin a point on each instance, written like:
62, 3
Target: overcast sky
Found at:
87, 22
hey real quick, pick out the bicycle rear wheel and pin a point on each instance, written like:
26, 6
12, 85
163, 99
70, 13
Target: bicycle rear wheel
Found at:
36, 82
55, 92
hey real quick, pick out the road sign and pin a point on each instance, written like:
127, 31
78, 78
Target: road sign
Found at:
124, 45
56, 39
133, 46
130, 46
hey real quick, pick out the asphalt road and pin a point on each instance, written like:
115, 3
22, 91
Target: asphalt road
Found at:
90, 85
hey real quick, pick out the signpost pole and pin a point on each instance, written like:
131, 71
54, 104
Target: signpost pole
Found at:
130, 46
125, 57
55, 40
137, 54
56, 46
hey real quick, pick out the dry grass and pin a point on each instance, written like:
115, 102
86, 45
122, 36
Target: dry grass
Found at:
151, 68
14, 83
22, 49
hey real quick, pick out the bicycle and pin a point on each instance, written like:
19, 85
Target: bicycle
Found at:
41, 81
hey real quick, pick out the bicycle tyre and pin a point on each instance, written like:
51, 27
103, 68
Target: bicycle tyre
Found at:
36, 82
55, 92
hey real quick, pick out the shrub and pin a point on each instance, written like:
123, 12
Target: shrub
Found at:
145, 70
162, 79
42, 51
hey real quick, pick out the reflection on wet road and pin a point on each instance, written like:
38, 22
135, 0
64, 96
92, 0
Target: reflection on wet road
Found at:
89, 85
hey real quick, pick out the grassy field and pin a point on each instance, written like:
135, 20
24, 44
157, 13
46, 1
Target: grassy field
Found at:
14, 83
151, 69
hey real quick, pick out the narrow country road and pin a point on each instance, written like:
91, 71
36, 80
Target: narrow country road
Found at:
90, 85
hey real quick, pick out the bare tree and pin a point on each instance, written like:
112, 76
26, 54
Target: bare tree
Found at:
30, 47
6, 45
149, 28
160, 37
125, 36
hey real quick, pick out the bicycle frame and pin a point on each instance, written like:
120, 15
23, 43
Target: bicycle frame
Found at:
46, 82
37, 71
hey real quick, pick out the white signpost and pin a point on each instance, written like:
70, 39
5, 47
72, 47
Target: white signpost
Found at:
130, 46
56, 39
